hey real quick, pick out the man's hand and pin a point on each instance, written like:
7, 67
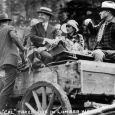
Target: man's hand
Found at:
87, 21
40, 49
49, 41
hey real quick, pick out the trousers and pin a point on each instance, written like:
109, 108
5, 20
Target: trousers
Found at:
7, 80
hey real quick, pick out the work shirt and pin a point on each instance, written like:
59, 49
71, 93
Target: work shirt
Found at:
108, 39
8, 49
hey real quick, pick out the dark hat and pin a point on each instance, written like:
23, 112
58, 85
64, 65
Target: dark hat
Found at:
107, 5
45, 10
4, 17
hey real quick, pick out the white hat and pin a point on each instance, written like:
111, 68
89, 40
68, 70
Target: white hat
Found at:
34, 22
73, 23
45, 10
108, 5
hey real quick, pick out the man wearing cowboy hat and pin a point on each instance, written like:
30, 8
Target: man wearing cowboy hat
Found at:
9, 54
42, 33
105, 47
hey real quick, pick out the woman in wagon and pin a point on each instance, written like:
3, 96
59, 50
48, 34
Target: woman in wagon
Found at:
73, 41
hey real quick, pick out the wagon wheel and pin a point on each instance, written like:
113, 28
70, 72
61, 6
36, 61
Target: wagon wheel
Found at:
45, 98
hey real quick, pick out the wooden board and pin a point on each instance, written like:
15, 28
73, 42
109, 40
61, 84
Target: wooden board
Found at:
97, 77
66, 75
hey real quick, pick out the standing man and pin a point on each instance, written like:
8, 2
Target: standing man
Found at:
42, 33
9, 54
105, 47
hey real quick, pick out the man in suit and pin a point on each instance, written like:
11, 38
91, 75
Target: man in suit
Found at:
42, 34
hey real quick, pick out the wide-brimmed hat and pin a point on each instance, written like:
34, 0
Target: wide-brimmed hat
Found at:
45, 10
73, 23
4, 17
107, 5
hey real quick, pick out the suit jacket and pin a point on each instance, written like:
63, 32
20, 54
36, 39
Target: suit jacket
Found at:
38, 34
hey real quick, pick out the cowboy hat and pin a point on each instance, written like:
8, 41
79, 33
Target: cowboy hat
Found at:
73, 23
4, 17
45, 10
107, 5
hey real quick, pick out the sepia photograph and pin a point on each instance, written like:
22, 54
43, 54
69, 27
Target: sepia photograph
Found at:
57, 57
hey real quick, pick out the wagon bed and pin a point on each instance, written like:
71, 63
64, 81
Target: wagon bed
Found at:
81, 81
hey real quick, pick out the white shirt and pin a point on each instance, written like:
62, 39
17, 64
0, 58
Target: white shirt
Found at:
45, 25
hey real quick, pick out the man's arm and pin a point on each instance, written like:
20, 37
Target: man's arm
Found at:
15, 38
33, 36
91, 26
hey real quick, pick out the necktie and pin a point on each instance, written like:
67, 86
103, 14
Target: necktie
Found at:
101, 31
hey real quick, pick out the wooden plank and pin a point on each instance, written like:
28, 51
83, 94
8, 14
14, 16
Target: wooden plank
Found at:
93, 66
98, 83
100, 111
96, 79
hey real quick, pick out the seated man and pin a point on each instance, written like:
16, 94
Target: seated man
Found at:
42, 34
105, 47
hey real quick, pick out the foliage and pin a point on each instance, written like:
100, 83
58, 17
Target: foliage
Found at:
30, 6
79, 9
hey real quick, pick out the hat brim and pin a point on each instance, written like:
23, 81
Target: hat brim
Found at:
107, 9
45, 12
64, 28
4, 20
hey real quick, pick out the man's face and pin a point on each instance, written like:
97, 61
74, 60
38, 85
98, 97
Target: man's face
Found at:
103, 14
43, 17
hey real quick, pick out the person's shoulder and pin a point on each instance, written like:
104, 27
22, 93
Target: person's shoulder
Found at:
52, 26
80, 36
112, 24
37, 25
9, 27
77, 35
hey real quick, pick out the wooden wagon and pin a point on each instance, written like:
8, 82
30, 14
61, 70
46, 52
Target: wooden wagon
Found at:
65, 88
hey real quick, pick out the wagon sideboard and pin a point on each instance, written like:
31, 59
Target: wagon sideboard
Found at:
88, 76
97, 77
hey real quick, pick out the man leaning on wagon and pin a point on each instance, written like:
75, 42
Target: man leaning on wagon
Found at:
42, 34
105, 47
9, 55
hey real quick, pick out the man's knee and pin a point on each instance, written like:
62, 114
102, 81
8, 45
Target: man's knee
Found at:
98, 55
46, 56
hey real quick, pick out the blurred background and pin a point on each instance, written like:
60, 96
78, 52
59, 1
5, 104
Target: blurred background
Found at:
22, 11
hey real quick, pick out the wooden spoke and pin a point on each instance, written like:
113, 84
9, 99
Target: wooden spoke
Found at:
30, 108
50, 105
38, 104
44, 98
49, 99
57, 109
